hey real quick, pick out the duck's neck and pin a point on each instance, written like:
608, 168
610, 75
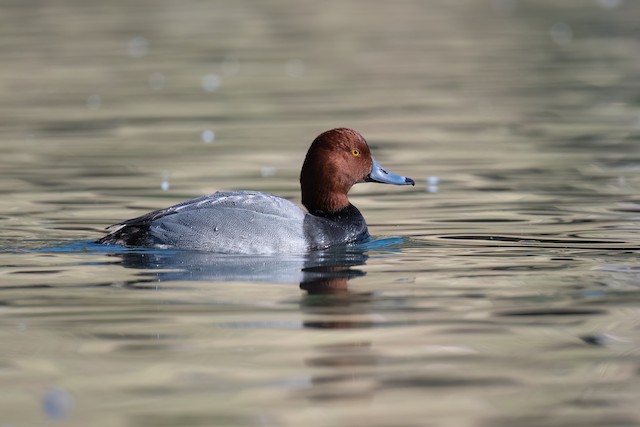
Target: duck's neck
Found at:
325, 205
348, 211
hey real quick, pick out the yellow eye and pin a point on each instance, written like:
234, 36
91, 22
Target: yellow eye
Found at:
355, 152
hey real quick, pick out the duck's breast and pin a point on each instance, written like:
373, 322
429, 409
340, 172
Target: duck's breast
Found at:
346, 226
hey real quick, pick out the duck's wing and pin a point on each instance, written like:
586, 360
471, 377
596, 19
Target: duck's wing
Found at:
239, 221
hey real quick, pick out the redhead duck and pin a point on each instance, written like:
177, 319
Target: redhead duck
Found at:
250, 222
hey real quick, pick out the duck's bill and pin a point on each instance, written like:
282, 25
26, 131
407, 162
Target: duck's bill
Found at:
380, 174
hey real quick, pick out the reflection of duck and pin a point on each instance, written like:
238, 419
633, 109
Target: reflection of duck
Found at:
259, 223
316, 272
324, 275
330, 280
327, 305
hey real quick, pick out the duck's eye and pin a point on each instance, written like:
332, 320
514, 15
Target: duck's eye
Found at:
355, 152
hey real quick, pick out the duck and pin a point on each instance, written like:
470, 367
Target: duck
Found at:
253, 222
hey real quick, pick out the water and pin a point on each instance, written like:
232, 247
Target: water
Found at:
502, 290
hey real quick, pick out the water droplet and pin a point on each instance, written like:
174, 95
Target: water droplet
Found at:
210, 82
94, 101
164, 185
157, 81
208, 136
432, 184
57, 404
138, 47
295, 67
267, 171
609, 4
561, 33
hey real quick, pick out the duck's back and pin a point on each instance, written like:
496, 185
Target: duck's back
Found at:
231, 222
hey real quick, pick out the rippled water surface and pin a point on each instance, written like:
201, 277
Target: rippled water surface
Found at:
502, 290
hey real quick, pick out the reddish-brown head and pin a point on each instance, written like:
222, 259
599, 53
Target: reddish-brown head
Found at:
336, 160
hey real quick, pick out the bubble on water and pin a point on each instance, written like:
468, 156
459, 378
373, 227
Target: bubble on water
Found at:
138, 47
157, 81
210, 82
561, 33
267, 171
57, 404
609, 4
164, 185
230, 66
208, 136
94, 101
295, 67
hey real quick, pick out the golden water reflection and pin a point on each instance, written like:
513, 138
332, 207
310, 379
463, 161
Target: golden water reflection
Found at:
510, 296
